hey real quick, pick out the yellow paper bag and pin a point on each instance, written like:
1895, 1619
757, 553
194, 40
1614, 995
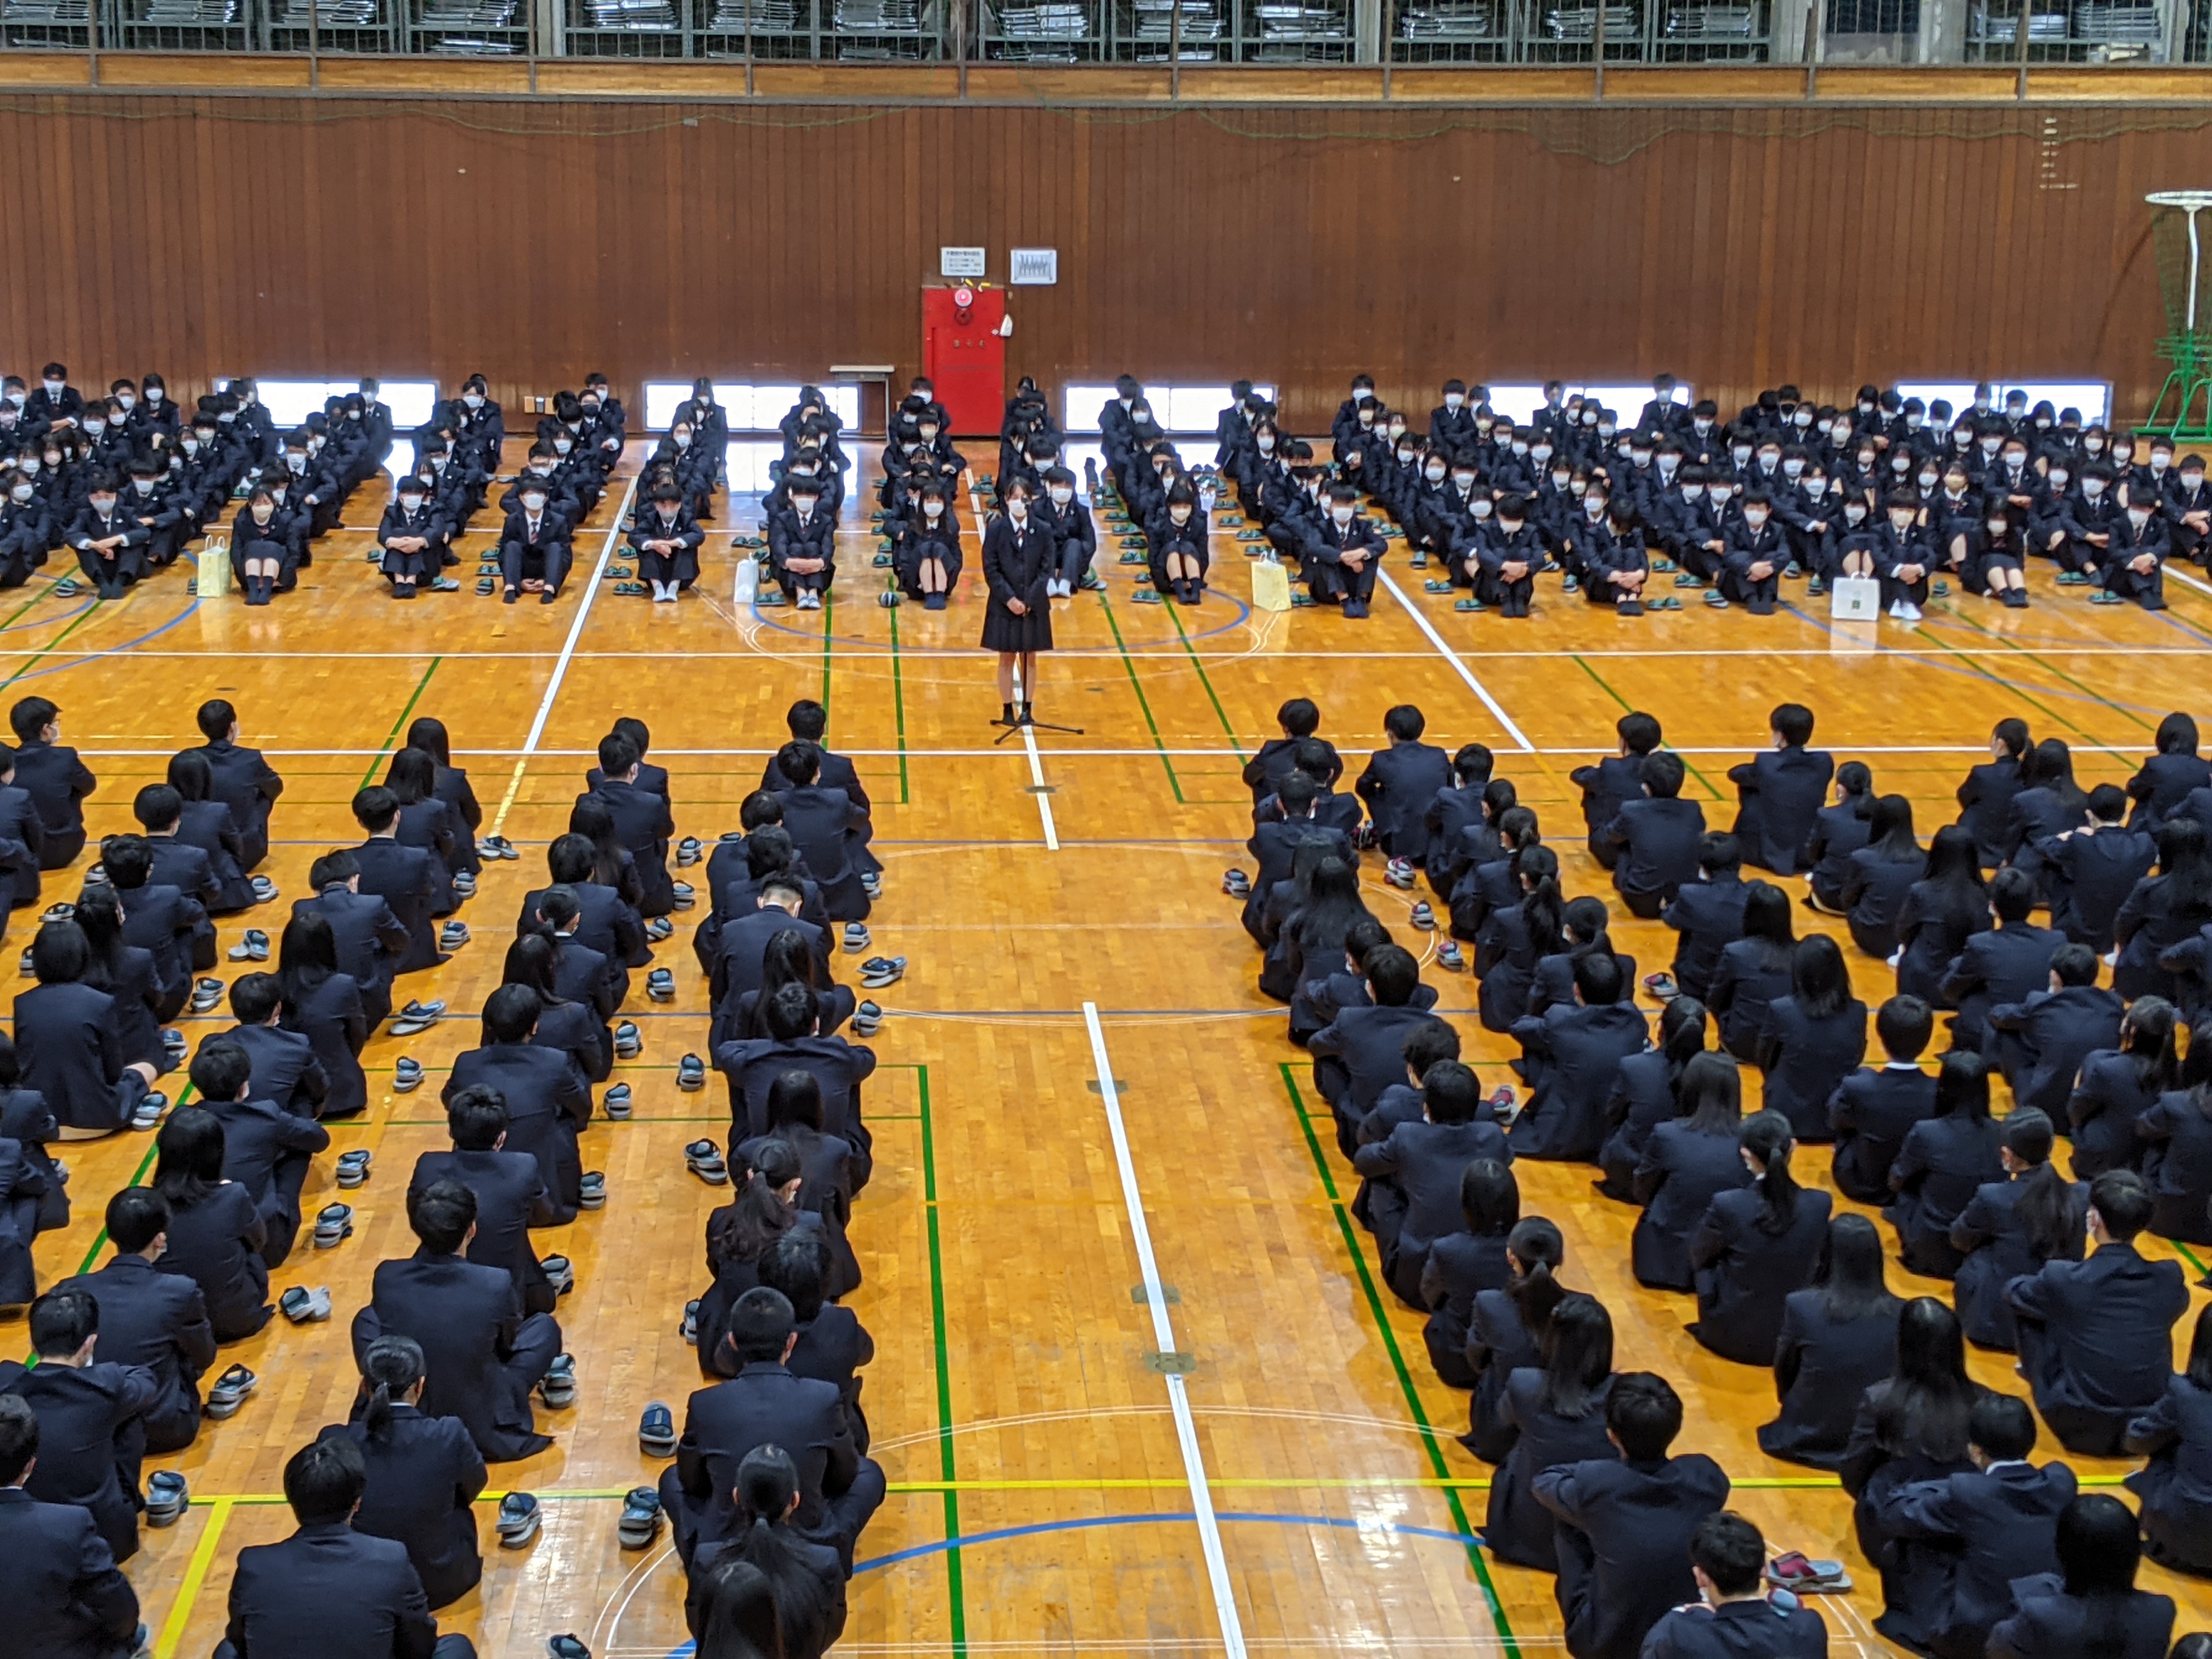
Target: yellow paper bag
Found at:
214, 577
1271, 586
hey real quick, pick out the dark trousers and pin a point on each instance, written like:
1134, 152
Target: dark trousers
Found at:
1645, 907
547, 563
1603, 851
1341, 581
2082, 1430
280, 1206
2149, 591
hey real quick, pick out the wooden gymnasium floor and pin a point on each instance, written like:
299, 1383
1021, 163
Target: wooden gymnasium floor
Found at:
1062, 909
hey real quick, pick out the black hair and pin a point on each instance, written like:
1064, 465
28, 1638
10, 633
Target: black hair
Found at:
221, 1070
2047, 1198
742, 1230
2177, 734
157, 806
188, 1157
762, 1325
1961, 897
135, 1216
1849, 1275
1489, 1198
767, 1484
1451, 1092
1577, 1354
1644, 1415
2122, 1202
1405, 722
2149, 1036
1889, 831
1819, 978
1536, 1243
2012, 894
253, 998
737, 1612
441, 1215
19, 1438
1729, 1551
1962, 1087
1661, 775
391, 1367
427, 733
476, 1117
1639, 733
374, 808
1904, 1025
324, 1481
1924, 1407
2074, 964
1765, 1136
1767, 918
1793, 723
2100, 1548
509, 1013
1709, 1096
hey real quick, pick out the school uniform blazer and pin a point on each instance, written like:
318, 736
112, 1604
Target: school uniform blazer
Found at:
2177, 1166
1624, 1543
828, 827
2148, 924
1370, 1041
423, 1475
509, 1190
1460, 1265
1738, 1630
1823, 1366
57, 782
2108, 1321
1607, 786
371, 940
158, 1322
837, 772
744, 944
1517, 1528
1992, 1236
765, 1405
1984, 800
217, 1245
87, 1416
2162, 785
20, 822
404, 879
548, 1101
178, 864
2053, 1625
1838, 832
1744, 1273
1554, 982
1397, 787
1498, 1345
162, 921
1450, 812
257, 1135
249, 786
2004, 964
1675, 1180
605, 923
1995, 1526
1658, 840
26, 1119
2176, 1484
336, 1025
65, 1597
1781, 793
1425, 1161
1943, 1163
333, 1592
2055, 1032
1932, 942
1742, 990
1709, 916
466, 1317
1582, 1049
1805, 1060
285, 1071
67, 1040
832, 1348
2092, 873
751, 1066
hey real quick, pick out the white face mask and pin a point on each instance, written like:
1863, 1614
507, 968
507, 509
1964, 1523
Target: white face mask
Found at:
1453, 400
94, 426
2093, 488
2094, 446
561, 446
1668, 463
1341, 515
1017, 510
2190, 480
1701, 427
2159, 462
683, 439
126, 400
30, 465
1266, 444
263, 515
1463, 482
1989, 445
153, 396
533, 502
474, 400
1434, 474
1912, 422
1754, 516
1605, 428
1718, 495
2015, 458
1803, 417
1542, 452
2138, 516
191, 446
1928, 480
1520, 448
1792, 467
145, 485
1062, 494
103, 506
22, 492
933, 509
1739, 454
1561, 480
1997, 528
53, 388
1854, 512
2059, 476
410, 501
1901, 522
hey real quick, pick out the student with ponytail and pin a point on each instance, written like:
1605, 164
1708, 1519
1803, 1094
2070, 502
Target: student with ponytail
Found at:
425, 1473
1685, 1162
1645, 1087
2013, 1227
2117, 1085
1756, 1246
1516, 937
1838, 832
806, 1582
1558, 1409
1505, 1330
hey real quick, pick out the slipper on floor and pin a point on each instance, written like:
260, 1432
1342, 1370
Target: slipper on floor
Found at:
879, 971
229, 1392
147, 1114
1662, 985
641, 1519
167, 1497
405, 1027
557, 1388
1433, 586
333, 1226
660, 985
591, 1190
406, 1075
616, 1105
560, 1273
1145, 596
354, 1167
856, 936
867, 1019
656, 1431
704, 1159
685, 894
690, 1074
1469, 605
657, 928
1424, 917
1450, 957
2107, 597
1302, 601
1399, 874
628, 1044
520, 1518
690, 1329
428, 1012
207, 993
1237, 885
305, 1307
255, 947
689, 852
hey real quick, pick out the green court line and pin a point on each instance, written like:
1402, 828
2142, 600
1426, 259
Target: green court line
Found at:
47, 649
2189, 1256
1628, 707
1175, 616
954, 1584
899, 707
2086, 690
829, 635
1475, 1554
100, 1239
1996, 679
392, 738
25, 604
1136, 685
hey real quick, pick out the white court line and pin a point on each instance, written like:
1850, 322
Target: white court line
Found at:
1193, 1461
568, 655
1452, 657
1846, 750
1036, 775
2191, 581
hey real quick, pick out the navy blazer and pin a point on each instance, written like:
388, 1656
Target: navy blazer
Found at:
1581, 1049
466, 1318
2096, 1341
1681, 1171
2090, 874
1517, 1528
1992, 1236
1624, 1543
1425, 1161
249, 786
2177, 1166
606, 922
332, 1591
158, 1322
1739, 1630
1607, 786
1397, 786
19, 822
1780, 792
1658, 840
2162, 784
1709, 916
2053, 1625
217, 1244
1873, 894
2004, 964
1742, 990
1642, 1099
2042, 1041
1944, 1162
2108, 1098
1744, 1274
765, 1405
1823, 1366
1371, 1043
406, 878
332, 1019
423, 1475
88, 1438
2176, 1484
1986, 806
1805, 1060
57, 782
66, 1599
285, 1068
67, 1042
371, 938
509, 1190
549, 1101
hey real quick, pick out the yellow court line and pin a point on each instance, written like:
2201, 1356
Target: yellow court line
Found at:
173, 1631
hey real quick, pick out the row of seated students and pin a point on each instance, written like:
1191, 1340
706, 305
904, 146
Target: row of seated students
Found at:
1883, 488
458, 1342
1867, 1385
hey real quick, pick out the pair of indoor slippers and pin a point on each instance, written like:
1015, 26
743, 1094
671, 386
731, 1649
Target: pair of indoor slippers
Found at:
229, 1392
496, 847
704, 1158
253, 948
660, 985
417, 1017
1237, 884
147, 1114
876, 972
867, 1019
690, 1074
333, 1226
616, 1105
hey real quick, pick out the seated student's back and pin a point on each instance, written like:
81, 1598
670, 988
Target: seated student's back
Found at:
66, 1597
2090, 1606
1733, 1618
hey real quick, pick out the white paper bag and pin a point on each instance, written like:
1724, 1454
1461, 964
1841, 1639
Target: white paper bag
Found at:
748, 588
1855, 599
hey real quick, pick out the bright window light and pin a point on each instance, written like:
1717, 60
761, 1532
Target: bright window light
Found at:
752, 408
2093, 397
749, 462
290, 402
1182, 411
1520, 403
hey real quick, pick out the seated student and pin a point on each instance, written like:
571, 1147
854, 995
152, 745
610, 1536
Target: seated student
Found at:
1519, 934
157, 918
1574, 1051
533, 546
370, 938
331, 1588
1401, 1102
427, 823
2174, 1434
2049, 804
1615, 781
833, 1170
215, 1234
1504, 1328
1813, 1040
2165, 781
1360, 1052
220, 890
1646, 1087
1998, 1523
1341, 555
414, 538
204, 822
1757, 549
751, 1066
1553, 982
2002, 964
573, 1028
1332, 809
482, 1354
2117, 1085
1838, 832
1945, 908
69, 1042
738, 964
548, 1101
1413, 1198
1708, 913
1733, 1615
1686, 1161
54, 778
1754, 970
1879, 875
767, 1180
642, 824
1558, 1408
1399, 784
509, 1190
2042, 1041
126, 973
286, 1072
241, 778
833, 1345
110, 542
1462, 1265
1985, 795
2013, 1226
1780, 792
765, 1404
1275, 842
1656, 839
925, 552
2094, 1335
829, 828
267, 1148
317, 1002
1626, 1522
802, 543
1944, 1161
2133, 566
1278, 757
22, 838
667, 538
1754, 1246
151, 1319
2177, 1130
767, 1585
1838, 1337
404, 878
2090, 1605
89, 1413
423, 1472
1176, 534
65, 1596
605, 921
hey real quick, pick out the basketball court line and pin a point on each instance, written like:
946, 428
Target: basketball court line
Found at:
1458, 662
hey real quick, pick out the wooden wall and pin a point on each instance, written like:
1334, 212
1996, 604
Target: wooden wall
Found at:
537, 240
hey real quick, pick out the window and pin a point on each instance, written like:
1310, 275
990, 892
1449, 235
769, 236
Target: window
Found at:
1522, 402
2093, 397
290, 402
751, 407
1182, 411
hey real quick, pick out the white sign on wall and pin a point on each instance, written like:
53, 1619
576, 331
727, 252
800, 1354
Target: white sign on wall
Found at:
961, 261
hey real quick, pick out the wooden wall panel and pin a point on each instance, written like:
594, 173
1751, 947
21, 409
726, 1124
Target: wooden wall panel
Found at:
537, 240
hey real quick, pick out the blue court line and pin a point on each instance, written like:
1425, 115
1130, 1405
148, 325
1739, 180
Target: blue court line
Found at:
48, 621
113, 650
